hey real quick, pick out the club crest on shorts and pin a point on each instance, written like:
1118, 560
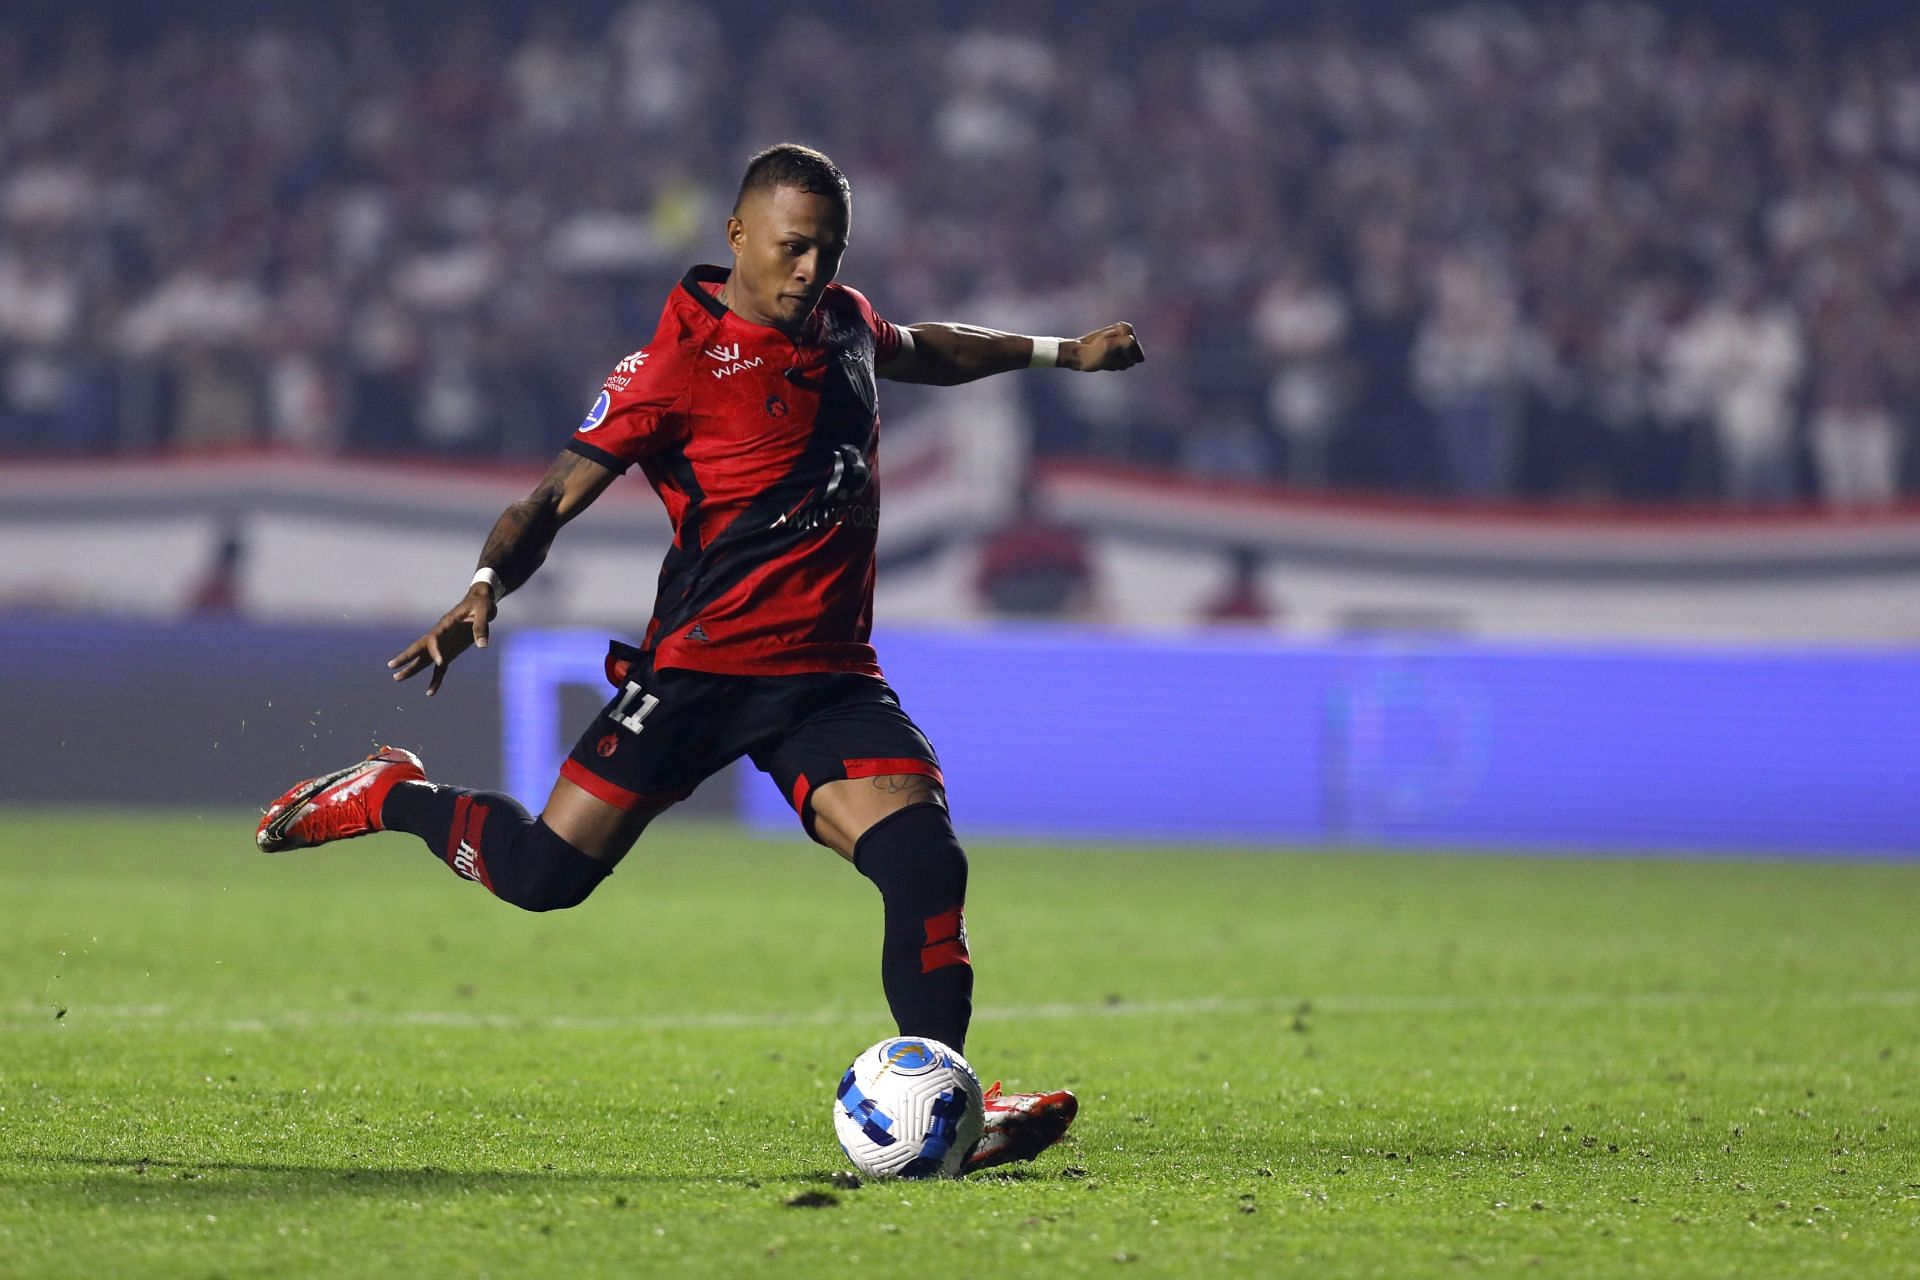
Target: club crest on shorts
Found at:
597, 414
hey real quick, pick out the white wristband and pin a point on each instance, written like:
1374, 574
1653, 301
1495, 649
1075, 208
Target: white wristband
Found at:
1046, 353
492, 579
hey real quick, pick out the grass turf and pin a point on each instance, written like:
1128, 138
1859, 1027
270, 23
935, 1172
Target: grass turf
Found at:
348, 1063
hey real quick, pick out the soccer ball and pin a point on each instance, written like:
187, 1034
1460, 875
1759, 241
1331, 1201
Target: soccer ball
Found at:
908, 1108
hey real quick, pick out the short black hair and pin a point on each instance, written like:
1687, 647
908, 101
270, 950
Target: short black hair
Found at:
788, 164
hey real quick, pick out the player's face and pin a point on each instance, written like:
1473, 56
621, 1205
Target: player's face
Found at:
787, 246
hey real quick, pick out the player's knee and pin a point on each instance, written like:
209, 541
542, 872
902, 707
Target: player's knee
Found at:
552, 894
917, 842
554, 876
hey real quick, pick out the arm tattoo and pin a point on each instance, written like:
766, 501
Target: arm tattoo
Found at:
524, 532
520, 538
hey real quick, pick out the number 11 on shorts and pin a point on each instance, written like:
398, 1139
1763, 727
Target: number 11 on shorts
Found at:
634, 707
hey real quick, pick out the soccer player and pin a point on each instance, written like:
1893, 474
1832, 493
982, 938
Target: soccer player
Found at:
752, 413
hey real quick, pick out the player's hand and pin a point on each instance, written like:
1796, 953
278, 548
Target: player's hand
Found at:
1113, 347
464, 624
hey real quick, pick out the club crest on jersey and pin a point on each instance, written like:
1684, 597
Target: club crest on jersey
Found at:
597, 414
730, 361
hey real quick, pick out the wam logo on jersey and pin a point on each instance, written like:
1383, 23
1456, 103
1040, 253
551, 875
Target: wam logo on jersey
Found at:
730, 361
597, 414
632, 363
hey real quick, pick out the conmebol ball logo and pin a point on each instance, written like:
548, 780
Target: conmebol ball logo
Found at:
910, 1055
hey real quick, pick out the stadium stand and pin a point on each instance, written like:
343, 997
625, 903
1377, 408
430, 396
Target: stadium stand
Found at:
1597, 254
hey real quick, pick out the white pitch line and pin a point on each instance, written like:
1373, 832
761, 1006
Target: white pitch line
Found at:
161, 1018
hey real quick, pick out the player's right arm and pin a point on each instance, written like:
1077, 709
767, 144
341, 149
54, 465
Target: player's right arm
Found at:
517, 547
640, 410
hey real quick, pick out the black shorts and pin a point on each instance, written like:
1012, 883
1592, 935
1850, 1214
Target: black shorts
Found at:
665, 732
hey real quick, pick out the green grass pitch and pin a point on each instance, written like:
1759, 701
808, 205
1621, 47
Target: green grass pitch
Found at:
214, 1063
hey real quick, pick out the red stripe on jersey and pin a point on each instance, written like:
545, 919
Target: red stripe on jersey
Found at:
809, 608
614, 794
801, 790
880, 766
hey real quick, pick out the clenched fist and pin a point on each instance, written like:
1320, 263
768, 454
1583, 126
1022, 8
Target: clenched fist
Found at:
1112, 347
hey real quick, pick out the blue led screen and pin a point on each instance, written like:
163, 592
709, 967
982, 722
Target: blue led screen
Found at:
1078, 733
1439, 744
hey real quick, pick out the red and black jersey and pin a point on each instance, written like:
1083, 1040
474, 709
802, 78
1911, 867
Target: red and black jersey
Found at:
764, 449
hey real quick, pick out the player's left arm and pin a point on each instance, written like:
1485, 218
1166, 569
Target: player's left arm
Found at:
944, 355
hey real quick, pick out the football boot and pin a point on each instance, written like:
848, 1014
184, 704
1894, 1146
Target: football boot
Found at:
1020, 1126
337, 805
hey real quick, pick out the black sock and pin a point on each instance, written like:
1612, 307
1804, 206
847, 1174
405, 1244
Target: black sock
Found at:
488, 837
915, 859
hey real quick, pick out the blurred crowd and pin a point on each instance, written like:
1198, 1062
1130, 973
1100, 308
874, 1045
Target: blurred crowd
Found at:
1589, 253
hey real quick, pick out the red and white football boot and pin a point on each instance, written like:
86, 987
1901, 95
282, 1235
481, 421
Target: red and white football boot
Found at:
1020, 1126
337, 805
